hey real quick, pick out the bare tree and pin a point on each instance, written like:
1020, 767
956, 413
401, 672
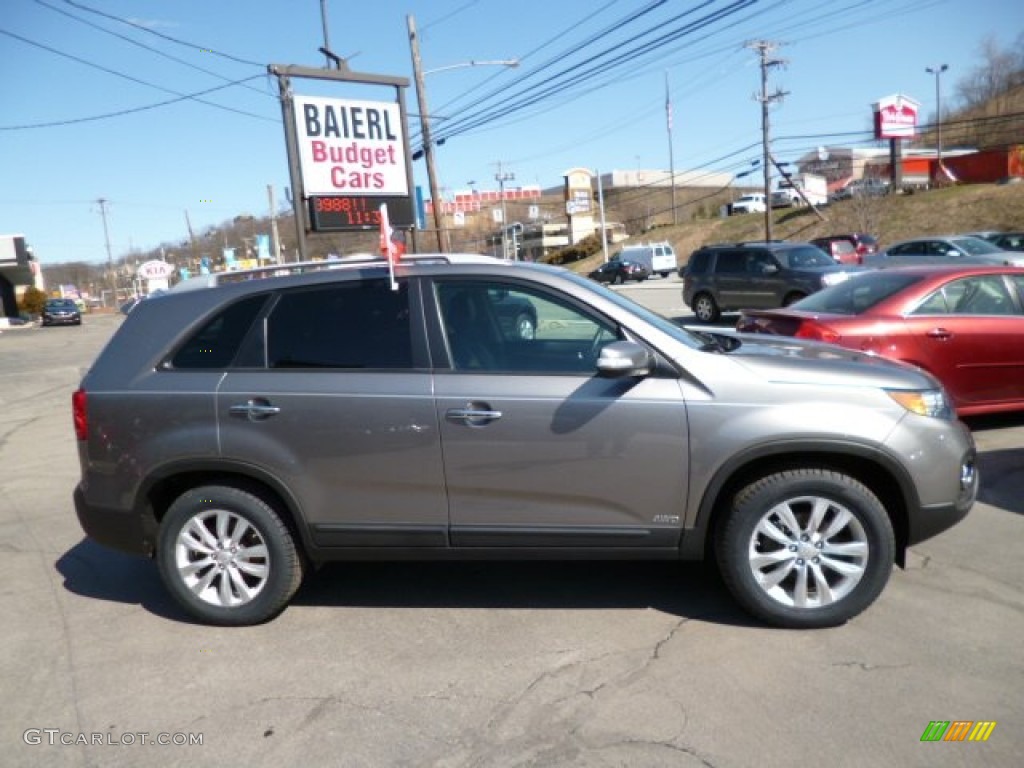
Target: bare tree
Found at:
1000, 71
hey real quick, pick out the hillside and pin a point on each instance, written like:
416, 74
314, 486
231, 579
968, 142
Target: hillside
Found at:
934, 212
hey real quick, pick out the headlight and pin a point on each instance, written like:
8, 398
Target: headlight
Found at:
926, 402
832, 278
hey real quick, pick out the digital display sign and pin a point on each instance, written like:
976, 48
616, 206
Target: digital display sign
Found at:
345, 213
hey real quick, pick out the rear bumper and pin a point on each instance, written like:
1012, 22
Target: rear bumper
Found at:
114, 528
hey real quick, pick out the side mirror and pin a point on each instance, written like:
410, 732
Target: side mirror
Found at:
624, 358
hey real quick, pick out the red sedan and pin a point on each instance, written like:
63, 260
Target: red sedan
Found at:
963, 324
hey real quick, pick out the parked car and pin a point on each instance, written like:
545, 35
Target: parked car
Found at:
951, 249
61, 312
840, 249
241, 434
618, 271
858, 188
1007, 241
965, 325
862, 245
658, 258
729, 277
752, 203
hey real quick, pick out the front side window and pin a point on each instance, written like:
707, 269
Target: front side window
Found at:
492, 326
361, 324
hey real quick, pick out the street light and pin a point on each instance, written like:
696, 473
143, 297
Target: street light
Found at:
421, 98
937, 70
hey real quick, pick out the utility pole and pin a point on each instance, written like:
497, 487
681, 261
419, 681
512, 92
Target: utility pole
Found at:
501, 178
428, 143
275, 237
671, 159
111, 278
327, 42
194, 263
764, 49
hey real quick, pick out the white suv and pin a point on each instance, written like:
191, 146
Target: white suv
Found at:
752, 203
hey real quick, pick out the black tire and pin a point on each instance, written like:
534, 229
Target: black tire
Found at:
253, 526
792, 298
843, 570
705, 308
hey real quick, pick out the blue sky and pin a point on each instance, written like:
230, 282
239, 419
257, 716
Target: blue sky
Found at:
215, 160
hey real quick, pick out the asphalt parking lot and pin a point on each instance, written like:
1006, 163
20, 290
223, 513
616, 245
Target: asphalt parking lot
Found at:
484, 664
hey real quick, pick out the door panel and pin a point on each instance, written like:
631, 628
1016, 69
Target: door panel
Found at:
342, 417
545, 453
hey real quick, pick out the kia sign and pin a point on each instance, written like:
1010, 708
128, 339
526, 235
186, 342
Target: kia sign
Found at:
350, 147
154, 270
896, 117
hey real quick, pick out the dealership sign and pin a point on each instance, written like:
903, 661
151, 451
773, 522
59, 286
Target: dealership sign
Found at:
154, 270
350, 147
896, 117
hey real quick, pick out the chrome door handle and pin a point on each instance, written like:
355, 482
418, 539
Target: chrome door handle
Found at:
473, 416
938, 333
254, 410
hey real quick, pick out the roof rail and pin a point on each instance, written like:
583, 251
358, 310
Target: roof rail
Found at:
302, 267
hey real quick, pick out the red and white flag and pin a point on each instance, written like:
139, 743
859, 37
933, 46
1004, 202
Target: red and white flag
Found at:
390, 246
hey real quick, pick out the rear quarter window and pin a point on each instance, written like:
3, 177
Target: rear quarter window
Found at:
216, 344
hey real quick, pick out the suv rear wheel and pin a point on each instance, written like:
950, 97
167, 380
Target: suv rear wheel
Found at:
705, 308
227, 557
806, 548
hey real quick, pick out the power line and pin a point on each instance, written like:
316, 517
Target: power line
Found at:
133, 79
119, 113
136, 25
615, 58
149, 48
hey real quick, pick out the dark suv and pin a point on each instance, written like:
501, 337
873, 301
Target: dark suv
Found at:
755, 276
243, 434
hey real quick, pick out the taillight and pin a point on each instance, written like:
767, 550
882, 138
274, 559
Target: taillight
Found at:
78, 414
817, 332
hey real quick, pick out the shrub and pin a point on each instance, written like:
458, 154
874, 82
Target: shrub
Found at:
588, 246
33, 301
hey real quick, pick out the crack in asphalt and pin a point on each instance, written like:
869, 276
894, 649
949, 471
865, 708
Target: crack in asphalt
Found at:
869, 667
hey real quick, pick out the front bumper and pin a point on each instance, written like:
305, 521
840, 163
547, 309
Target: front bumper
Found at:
934, 519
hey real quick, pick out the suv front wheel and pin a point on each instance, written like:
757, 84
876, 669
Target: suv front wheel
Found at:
705, 308
227, 557
806, 548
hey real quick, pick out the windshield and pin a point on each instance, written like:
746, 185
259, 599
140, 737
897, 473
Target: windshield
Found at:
976, 246
858, 294
804, 256
660, 322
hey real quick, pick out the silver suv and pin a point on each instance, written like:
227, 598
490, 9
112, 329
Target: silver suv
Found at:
244, 433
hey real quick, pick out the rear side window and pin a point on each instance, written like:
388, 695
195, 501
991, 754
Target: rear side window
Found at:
352, 325
731, 261
216, 344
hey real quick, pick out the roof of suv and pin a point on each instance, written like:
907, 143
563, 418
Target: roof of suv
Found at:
358, 261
